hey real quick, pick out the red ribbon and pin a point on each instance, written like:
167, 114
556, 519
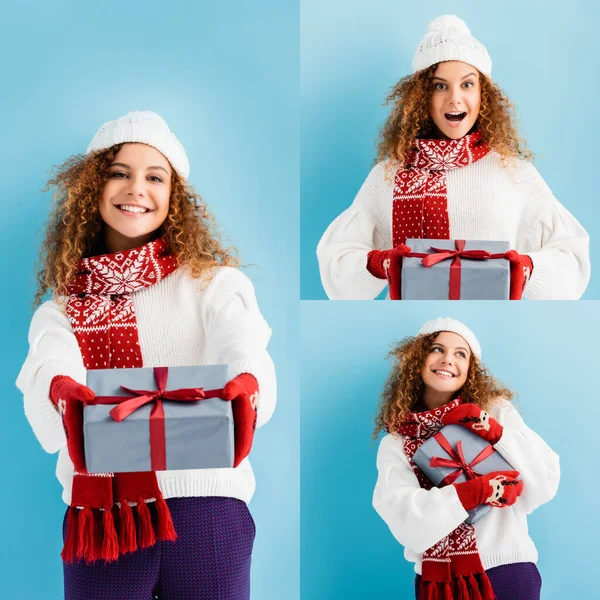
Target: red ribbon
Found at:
128, 405
457, 460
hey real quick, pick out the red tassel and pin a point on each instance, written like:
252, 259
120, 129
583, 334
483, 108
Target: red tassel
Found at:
110, 542
86, 547
70, 547
475, 595
146, 535
429, 591
463, 591
165, 528
486, 587
448, 592
127, 542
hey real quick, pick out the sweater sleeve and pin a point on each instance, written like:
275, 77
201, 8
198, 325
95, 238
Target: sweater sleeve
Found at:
342, 251
237, 334
53, 350
527, 453
417, 518
557, 244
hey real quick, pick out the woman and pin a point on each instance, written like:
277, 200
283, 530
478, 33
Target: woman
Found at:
438, 379
139, 278
451, 166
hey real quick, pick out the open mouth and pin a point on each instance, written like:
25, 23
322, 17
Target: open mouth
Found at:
443, 373
455, 118
132, 210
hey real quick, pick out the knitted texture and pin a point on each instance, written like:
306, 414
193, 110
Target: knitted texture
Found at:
420, 518
515, 581
486, 201
144, 127
420, 188
477, 420
452, 565
209, 560
499, 489
207, 322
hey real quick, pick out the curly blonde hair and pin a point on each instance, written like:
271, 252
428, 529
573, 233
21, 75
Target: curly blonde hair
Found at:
404, 387
411, 119
74, 228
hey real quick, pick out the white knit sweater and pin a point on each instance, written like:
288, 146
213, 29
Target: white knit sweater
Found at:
486, 201
178, 324
419, 518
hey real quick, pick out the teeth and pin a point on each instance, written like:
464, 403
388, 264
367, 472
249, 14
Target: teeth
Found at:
134, 209
445, 373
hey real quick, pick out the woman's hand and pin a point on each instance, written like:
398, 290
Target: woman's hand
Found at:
499, 489
477, 420
242, 391
521, 267
387, 264
68, 397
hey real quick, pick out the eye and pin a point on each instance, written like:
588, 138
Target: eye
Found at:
117, 175
468, 84
436, 349
439, 86
155, 178
462, 354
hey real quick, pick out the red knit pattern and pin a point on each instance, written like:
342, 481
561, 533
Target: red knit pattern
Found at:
420, 206
100, 306
101, 312
452, 562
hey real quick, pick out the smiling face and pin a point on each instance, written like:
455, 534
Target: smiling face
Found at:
455, 98
445, 368
135, 199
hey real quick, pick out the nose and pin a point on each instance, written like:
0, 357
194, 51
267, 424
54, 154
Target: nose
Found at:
455, 96
136, 185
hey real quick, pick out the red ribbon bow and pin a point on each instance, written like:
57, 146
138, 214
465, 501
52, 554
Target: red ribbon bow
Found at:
441, 254
128, 405
457, 460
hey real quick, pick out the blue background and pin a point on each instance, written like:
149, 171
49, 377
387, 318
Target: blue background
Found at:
225, 78
546, 352
353, 51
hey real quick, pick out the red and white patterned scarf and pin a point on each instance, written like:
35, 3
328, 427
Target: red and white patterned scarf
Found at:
420, 205
101, 311
452, 568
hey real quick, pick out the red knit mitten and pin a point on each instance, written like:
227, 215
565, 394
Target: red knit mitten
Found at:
477, 420
387, 264
243, 392
68, 396
521, 267
501, 488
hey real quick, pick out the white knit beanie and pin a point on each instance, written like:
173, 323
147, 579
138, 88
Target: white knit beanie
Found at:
449, 38
144, 127
449, 324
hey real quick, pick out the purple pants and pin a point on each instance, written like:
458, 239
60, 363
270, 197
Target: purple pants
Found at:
519, 581
210, 560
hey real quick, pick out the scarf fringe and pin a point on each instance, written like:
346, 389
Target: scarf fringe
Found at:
463, 591
110, 543
69, 550
127, 541
87, 535
165, 529
486, 587
448, 592
146, 536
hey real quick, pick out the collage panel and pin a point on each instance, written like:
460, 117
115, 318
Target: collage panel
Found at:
373, 524
420, 125
145, 149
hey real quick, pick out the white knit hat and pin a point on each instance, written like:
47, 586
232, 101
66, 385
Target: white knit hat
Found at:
145, 127
449, 324
449, 38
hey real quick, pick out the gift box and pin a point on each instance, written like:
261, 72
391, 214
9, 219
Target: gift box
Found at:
455, 270
469, 456
155, 419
